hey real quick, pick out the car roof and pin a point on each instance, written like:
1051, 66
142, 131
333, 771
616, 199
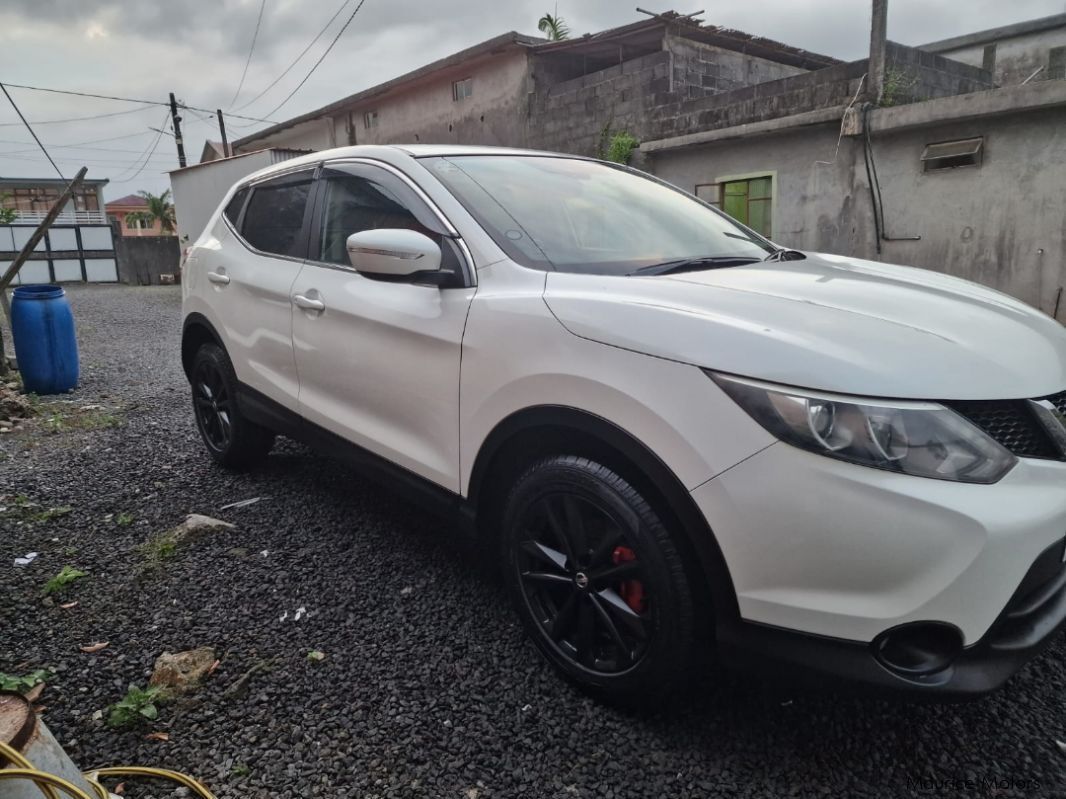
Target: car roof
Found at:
430, 150
394, 154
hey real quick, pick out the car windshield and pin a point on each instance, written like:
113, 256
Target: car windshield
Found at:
583, 216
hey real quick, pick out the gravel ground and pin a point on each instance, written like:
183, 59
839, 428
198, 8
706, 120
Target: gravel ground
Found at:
428, 687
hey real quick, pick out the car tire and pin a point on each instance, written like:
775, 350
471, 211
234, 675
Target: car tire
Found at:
598, 581
233, 441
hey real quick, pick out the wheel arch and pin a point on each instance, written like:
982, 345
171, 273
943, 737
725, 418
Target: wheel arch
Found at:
540, 431
196, 331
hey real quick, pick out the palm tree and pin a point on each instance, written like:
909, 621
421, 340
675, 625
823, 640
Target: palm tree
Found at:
159, 208
554, 27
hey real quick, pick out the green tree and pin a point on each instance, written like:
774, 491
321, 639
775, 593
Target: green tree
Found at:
621, 148
7, 215
160, 209
553, 27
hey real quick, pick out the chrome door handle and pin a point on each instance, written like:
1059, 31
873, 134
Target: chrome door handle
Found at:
218, 277
300, 301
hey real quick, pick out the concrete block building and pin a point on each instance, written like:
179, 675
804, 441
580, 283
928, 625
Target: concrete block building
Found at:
949, 155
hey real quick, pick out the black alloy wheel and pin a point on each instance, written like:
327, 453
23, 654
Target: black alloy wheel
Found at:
213, 405
598, 580
581, 578
232, 440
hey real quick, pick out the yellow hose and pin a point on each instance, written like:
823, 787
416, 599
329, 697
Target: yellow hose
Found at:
19, 761
47, 783
157, 773
40, 777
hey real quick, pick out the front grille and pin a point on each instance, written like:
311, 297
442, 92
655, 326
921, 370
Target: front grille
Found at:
1013, 425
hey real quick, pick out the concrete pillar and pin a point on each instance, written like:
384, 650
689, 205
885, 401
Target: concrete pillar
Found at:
875, 73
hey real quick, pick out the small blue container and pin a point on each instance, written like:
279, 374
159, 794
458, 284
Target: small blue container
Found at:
43, 329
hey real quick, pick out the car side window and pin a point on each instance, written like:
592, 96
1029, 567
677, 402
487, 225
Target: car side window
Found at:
235, 205
358, 197
274, 218
352, 204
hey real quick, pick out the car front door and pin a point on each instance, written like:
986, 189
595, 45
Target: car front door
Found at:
378, 360
252, 280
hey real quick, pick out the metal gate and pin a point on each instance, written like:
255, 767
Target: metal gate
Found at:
69, 253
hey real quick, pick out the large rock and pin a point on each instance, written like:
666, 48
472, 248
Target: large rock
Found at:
182, 671
196, 524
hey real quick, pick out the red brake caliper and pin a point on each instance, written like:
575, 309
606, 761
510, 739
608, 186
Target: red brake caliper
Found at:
631, 591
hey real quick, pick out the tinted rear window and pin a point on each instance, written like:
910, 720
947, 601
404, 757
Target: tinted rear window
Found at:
274, 219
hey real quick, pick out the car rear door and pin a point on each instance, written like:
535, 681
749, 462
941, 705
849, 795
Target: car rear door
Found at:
378, 359
252, 279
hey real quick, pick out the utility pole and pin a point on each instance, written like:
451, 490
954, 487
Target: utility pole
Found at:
222, 129
176, 121
875, 72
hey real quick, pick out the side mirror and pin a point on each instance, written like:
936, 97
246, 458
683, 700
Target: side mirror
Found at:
393, 253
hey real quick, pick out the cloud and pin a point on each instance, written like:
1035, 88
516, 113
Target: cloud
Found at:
197, 49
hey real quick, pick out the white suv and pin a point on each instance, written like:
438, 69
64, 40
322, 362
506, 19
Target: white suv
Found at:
673, 432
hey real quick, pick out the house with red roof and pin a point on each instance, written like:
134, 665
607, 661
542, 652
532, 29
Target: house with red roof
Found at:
125, 211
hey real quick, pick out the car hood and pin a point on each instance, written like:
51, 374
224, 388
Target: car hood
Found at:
826, 322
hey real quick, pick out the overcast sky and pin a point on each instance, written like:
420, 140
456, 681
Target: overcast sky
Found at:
198, 48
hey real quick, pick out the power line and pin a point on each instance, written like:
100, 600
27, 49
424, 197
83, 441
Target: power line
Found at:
251, 50
148, 157
27, 124
68, 147
90, 141
321, 58
120, 162
288, 69
73, 119
120, 99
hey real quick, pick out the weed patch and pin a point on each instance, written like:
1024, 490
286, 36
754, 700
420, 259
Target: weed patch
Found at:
66, 576
136, 706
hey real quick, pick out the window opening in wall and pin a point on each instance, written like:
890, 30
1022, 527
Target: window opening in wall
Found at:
1056, 66
953, 154
462, 89
988, 59
750, 202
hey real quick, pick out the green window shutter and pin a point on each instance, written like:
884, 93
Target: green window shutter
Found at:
760, 188
750, 202
735, 200
759, 216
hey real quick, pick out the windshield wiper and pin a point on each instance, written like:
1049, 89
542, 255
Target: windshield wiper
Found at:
695, 264
785, 254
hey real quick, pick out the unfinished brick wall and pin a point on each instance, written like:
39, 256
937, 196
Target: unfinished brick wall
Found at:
639, 95
692, 87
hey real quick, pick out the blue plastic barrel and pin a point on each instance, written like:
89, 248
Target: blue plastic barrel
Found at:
43, 329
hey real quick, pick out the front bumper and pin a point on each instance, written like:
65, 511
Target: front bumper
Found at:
1032, 618
826, 556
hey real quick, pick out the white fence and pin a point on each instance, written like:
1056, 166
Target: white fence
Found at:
68, 253
66, 217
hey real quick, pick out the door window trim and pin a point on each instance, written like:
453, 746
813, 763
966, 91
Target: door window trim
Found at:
466, 259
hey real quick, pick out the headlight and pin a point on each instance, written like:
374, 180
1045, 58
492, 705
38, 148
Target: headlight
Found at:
918, 438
